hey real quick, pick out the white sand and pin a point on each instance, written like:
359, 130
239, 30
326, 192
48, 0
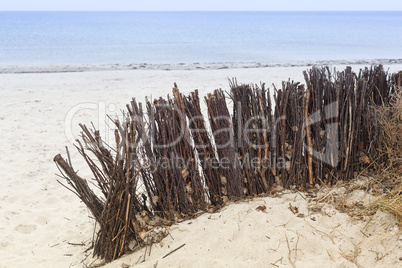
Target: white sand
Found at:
40, 221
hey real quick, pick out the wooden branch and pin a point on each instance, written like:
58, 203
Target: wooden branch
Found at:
309, 141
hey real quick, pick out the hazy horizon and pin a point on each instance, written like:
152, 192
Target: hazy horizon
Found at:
196, 37
205, 5
283, 11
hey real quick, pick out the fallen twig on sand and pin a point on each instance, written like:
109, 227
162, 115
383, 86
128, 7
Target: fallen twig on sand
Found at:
173, 251
290, 253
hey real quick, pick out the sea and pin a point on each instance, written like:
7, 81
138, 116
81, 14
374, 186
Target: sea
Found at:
197, 37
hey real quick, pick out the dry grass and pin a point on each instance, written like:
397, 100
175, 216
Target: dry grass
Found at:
390, 119
390, 202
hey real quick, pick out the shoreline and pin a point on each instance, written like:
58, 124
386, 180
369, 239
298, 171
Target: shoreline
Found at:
72, 68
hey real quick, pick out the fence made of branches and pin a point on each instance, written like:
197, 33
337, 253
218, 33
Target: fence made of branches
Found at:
171, 161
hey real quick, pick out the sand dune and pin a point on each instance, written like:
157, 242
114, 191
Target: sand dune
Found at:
42, 224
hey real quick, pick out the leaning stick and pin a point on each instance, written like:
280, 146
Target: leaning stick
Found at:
309, 142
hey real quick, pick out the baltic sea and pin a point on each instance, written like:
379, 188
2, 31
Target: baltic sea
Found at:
197, 37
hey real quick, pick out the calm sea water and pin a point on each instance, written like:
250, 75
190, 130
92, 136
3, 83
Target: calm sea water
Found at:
204, 37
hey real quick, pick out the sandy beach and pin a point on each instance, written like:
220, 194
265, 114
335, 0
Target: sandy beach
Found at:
42, 224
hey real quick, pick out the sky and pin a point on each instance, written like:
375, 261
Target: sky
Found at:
202, 5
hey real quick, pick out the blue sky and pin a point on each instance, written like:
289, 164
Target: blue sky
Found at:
163, 5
